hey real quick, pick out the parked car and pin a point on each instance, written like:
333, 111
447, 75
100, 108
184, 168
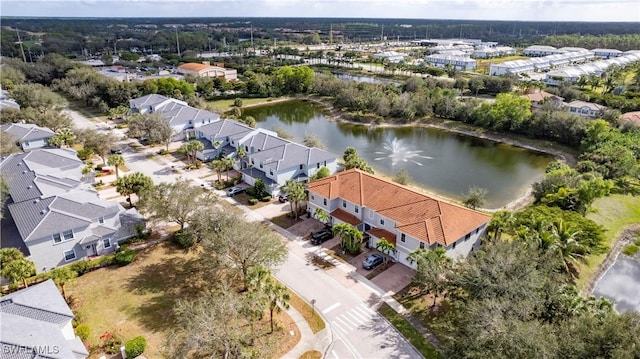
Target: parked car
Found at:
116, 151
321, 236
283, 198
234, 190
373, 261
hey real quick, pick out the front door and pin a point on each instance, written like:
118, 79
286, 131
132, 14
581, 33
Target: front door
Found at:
91, 250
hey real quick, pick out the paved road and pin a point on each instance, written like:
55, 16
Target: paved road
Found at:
357, 330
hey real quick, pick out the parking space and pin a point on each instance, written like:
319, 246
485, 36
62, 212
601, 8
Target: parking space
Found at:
394, 278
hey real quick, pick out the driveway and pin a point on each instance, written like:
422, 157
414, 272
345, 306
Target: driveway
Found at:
621, 284
394, 278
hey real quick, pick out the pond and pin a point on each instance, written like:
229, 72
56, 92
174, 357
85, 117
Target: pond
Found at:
438, 161
366, 79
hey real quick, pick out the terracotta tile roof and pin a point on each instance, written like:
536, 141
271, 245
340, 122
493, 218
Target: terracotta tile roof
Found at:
194, 66
346, 217
416, 214
383, 233
632, 117
540, 96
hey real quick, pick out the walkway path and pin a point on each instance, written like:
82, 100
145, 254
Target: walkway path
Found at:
308, 340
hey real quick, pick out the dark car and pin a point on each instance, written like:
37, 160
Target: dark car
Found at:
321, 236
116, 151
372, 261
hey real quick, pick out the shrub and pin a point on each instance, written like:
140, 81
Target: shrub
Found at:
125, 256
251, 191
163, 152
110, 342
83, 331
99, 167
183, 239
631, 250
100, 262
135, 347
237, 102
84, 153
266, 199
79, 267
253, 201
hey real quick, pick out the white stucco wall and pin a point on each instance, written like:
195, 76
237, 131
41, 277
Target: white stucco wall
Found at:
32, 144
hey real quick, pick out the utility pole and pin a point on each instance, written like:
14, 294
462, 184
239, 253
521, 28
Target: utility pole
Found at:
177, 41
24, 58
254, 48
382, 34
330, 34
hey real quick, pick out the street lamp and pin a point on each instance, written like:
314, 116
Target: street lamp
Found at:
313, 306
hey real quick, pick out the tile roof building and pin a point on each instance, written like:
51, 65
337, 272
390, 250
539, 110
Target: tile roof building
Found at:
403, 216
206, 70
35, 322
27, 136
585, 109
54, 215
632, 117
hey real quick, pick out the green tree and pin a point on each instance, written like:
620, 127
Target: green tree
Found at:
38, 97
321, 173
321, 215
311, 140
277, 297
99, 142
475, 197
227, 164
134, 183
8, 255
8, 144
386, 247
353, 160
431, 266
64, 137
295, 194
116, 161
218, 166
19, 270
63, 276
403, 177
175, 202
350, 237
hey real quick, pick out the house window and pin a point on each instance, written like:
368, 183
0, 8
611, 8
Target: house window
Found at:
69, 255
357, 209
403, 238
325, 201
312, 197
454, 245
106, 242
57, 238
477, 229
101, 220
26, 143
382, 221
318, 165
271, 171
261, 165
421, 245
467, 236
300, 166
67, 234
325, 163
344, 204
246, 148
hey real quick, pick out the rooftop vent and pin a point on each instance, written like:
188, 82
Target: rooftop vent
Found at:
36, 200
43, 211
29, 186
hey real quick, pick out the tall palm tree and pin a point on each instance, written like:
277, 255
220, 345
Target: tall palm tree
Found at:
566, 245
350, 237
195, 146
501, 221
63, 276
217, 166
116, 161
386, 247
277, 297
19, 270
228, 163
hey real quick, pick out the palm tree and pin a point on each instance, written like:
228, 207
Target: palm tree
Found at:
217, 166
321, 215
116, 161
195, 146
62, 276
241, 154
295, 194
350, 237
227, 163
8, 255
19, 270
64, 137
566, 245
500, 221
277, 297
186, 151
431, 264
386, 248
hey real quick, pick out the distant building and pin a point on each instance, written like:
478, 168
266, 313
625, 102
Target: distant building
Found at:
461, 63
391, 56
35, 322
631, 117
571, 74
7, 102
27, 136
541, 97
489, 52
206, 70
607, 53
543, 63
541, 50
585, 109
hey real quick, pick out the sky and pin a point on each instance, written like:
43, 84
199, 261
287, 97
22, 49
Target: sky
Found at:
525, 10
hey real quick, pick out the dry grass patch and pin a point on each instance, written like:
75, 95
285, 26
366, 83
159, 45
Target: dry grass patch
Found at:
285, 220
311, 354
310, 315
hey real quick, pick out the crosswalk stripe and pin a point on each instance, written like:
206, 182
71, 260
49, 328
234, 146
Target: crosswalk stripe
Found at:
367, 309
334, 354
338, 327
361, 312
344, 323
359, 318
330, 308
344, 317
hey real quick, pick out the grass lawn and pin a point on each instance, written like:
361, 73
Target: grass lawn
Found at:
88, 112
404, 327
310, 315
311, 354
614, 213
285, 220
244, 198
483, 65
138, 299
227, 104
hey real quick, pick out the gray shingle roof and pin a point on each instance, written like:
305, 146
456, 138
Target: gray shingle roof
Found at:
26, 132
226, 128
32, 322
291, 155
148, 100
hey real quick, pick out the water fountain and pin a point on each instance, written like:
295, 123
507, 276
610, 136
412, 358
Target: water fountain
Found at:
397, 152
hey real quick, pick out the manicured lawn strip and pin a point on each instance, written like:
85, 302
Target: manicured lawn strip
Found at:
310, 315
227, 104
615, 213
311, 354
284, 220
414, 336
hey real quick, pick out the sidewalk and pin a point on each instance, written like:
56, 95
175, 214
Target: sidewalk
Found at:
346, 274
308, 340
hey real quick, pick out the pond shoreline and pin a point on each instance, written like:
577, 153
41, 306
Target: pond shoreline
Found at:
521, 201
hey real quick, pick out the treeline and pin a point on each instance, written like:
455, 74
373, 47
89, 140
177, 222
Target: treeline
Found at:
621, 42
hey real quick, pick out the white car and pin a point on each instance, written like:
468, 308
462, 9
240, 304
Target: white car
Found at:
234, 190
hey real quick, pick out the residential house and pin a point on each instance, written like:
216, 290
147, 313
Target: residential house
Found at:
486, 52
403, 216
27, 136
631, 117
54, 215
183, 118
206, 70
272, 159
36, 322
390, 56
585, 109
607, 53
7, 102
539, 98
541, 50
